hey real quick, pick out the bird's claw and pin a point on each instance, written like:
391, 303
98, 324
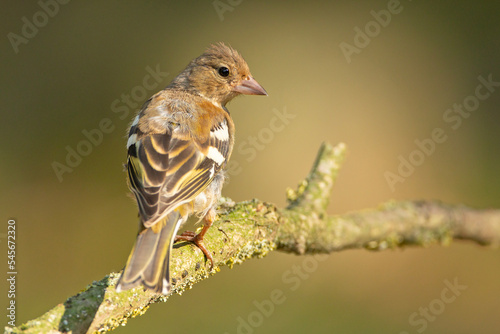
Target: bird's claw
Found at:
196, 239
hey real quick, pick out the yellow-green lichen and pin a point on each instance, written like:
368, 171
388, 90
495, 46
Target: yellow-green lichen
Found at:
293, 195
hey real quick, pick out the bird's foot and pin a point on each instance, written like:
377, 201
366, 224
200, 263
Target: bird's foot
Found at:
196, 239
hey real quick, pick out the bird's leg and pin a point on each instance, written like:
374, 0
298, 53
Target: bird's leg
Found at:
197, 239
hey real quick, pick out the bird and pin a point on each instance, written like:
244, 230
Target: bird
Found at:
178, 147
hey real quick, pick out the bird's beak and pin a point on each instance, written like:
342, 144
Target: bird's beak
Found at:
250, 86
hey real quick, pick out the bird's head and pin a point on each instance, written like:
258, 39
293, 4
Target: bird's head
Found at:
219, 74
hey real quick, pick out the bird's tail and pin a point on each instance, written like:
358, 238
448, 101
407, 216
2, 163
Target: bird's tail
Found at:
148, 263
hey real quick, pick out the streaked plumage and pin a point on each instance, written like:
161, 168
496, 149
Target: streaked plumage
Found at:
178, 146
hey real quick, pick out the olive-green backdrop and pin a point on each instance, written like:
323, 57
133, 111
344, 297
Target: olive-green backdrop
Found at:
388, 78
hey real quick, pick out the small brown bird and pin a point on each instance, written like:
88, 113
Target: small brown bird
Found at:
178, 147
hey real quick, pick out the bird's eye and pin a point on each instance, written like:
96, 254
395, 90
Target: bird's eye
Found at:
223, 71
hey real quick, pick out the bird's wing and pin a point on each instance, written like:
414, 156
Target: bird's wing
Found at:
171, 168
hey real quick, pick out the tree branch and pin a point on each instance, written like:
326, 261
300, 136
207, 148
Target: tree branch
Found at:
254, 228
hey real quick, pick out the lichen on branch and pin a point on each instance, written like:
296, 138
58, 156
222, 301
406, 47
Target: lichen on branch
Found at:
254, 228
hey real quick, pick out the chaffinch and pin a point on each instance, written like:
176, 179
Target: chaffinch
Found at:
178, 147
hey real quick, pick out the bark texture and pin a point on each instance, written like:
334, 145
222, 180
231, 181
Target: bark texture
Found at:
255, 228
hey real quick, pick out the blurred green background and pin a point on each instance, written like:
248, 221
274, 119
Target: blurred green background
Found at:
394, 90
